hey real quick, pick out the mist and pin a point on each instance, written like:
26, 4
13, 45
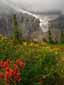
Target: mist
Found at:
34, 5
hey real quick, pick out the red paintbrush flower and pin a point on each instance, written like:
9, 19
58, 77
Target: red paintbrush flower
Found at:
4, 64
20, 63
1, 75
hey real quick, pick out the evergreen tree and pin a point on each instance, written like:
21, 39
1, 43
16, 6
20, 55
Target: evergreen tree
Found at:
50, 37
17, 32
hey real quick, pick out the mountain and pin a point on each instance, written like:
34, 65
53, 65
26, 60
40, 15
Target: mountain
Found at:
33, 26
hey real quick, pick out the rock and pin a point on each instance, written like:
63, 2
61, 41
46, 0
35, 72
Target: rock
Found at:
26, 25
30, 29
56, 28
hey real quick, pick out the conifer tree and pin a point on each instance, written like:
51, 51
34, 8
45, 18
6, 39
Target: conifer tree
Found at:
50, 37
16, 30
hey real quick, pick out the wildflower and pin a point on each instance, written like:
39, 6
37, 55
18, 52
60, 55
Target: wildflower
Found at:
9, 73
15, 66
31, 44
16, 74
4, 64
25, 43
17, 77
15, 71
7, 76
20, 63
1, 75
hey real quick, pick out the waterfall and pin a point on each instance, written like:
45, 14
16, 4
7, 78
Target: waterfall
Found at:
43, 22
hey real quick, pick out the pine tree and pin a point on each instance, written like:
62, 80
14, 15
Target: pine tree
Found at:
17, 32
50, 37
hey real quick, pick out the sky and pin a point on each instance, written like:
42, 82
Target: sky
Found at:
34, 5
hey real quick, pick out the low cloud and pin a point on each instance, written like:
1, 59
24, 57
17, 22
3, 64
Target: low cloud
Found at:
40, 5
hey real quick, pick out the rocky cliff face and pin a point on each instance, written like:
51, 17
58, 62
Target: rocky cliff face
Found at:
6, 25
26, 24
29, 27
56, 28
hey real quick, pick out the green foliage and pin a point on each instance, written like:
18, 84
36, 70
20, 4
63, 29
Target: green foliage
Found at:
54, 79
42, 62
40, 67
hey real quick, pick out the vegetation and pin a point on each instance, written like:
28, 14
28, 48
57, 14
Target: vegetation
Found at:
50, 37
43, 63
30, 63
